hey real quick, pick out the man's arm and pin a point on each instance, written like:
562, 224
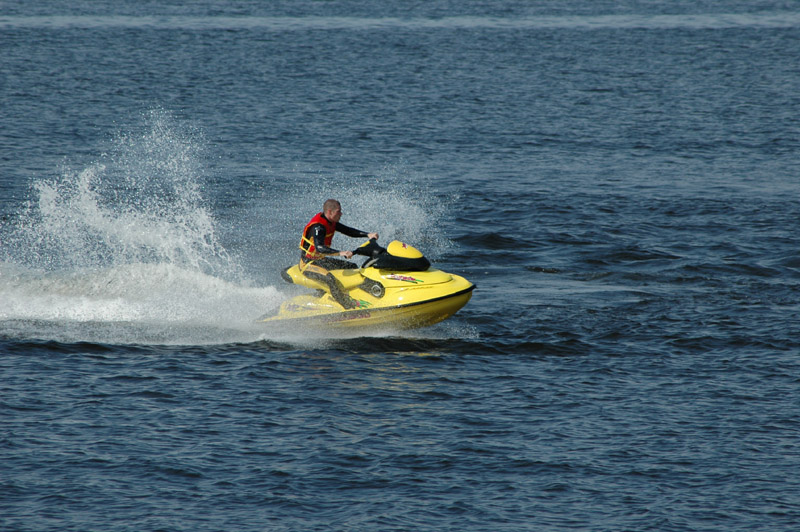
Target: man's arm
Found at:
354, 233
349, 231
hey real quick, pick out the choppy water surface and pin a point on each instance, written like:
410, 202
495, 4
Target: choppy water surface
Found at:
619, 180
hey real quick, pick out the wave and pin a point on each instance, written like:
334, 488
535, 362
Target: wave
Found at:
773, 19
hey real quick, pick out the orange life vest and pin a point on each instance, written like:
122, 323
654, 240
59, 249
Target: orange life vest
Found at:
307, 243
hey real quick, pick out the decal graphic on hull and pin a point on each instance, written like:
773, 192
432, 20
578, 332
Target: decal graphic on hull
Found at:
405, 278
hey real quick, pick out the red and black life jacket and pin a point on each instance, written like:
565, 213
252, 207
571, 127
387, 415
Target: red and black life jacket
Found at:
307, 243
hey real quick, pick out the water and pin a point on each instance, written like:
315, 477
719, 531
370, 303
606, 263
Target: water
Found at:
618, 178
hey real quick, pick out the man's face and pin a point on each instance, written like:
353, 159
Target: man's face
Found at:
334, 214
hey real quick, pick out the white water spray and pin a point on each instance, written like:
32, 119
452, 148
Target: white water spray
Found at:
140, 204
129, 241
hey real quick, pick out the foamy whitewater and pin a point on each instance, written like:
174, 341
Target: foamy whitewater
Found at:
126, 251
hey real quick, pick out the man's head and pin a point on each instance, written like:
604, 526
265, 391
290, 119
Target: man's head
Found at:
332, 210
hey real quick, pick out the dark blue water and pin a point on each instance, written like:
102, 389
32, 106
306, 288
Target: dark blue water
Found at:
620, 179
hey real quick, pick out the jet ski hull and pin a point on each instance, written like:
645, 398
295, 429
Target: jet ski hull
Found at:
386, 300
307, 310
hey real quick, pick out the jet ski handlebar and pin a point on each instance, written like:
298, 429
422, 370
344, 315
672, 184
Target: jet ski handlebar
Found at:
370, 249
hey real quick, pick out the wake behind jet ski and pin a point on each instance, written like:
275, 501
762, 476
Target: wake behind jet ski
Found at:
395, 288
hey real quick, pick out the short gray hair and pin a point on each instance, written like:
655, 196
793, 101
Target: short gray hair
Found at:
330, 205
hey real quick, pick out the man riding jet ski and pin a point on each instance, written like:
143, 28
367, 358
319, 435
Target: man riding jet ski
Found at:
395, 288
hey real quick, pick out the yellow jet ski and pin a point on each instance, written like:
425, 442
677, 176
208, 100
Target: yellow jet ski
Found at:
395, 288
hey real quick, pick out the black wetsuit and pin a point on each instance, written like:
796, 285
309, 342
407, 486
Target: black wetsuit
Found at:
317, 235
319, 270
